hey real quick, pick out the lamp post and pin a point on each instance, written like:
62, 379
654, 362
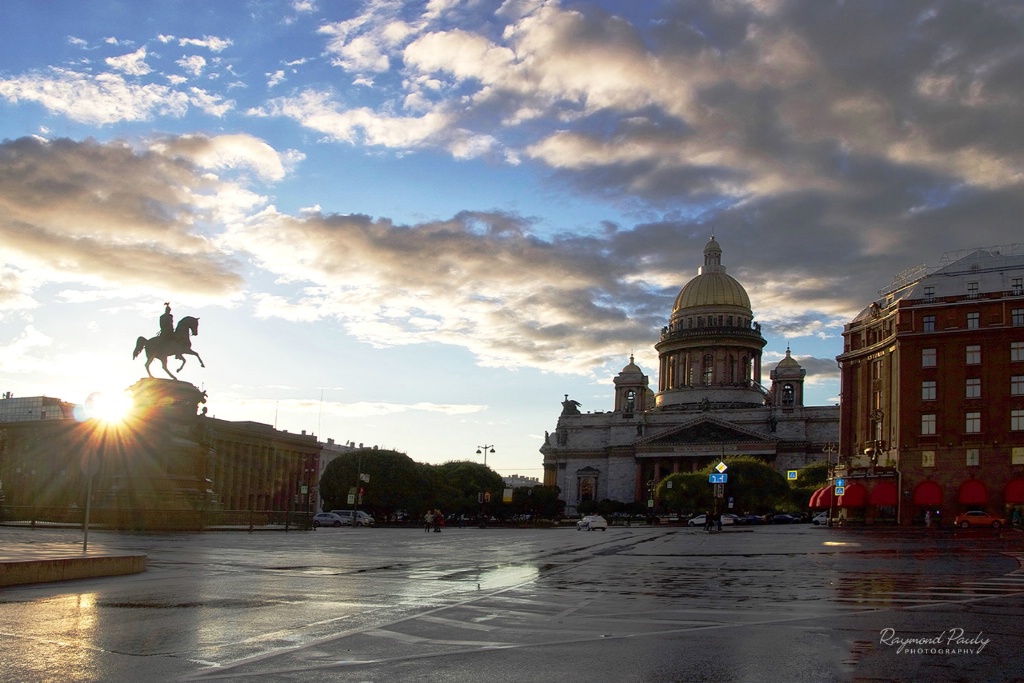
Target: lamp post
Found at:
483, 449
829, 449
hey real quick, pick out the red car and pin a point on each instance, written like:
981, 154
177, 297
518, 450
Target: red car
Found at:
978, 518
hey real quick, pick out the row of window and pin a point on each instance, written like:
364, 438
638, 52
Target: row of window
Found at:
972, 387
972, 457
974, 320
974, 289
972, 422
972, 354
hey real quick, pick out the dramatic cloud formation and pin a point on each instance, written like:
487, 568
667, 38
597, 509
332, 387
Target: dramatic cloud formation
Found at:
531, 181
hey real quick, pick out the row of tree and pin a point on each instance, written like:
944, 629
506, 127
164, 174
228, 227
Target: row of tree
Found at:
753, 485
399, 486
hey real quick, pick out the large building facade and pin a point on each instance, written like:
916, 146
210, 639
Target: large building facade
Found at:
166, 464
932, 374
709, 403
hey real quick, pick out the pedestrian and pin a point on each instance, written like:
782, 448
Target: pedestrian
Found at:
928, 518
438, 521
708, 521
718, 519
428, 520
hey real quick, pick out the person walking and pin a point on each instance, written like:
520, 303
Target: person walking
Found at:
428, 520
438, 521
708, 521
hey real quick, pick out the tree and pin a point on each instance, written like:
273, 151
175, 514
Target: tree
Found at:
810, 479
396, 481
753, 484
462, 483
540, 502
685, 492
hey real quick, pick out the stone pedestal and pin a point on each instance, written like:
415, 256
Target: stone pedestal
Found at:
156, 468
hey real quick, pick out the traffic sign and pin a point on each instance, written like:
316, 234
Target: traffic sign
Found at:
791, 475
721, 467
840, 490
718, 478
840, 482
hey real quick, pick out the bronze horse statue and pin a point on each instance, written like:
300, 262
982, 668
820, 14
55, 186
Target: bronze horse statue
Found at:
177, 344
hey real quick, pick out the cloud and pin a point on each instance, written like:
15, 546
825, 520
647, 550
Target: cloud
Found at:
192, 64
212, 43
94, 99
133, 63
120, 219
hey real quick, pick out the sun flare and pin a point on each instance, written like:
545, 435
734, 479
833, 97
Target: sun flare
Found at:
109, 408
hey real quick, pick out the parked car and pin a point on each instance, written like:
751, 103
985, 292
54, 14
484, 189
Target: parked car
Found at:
362, 519
326, 519
784, 518
751, 519
729, 518
820, 519
978, 518
591, 522
700, 520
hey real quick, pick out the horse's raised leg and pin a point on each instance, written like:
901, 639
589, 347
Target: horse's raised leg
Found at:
190, 352
163, 362
182, 359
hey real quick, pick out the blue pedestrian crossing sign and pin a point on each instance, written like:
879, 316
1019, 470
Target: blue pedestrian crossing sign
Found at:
840, 490
791, 475
718, 478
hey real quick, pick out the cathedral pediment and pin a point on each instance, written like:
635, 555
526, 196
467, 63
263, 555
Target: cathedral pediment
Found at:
704, 430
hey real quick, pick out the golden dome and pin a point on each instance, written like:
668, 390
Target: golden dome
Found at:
712, 286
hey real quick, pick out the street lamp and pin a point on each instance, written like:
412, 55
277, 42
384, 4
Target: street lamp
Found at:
483, 449
829, 449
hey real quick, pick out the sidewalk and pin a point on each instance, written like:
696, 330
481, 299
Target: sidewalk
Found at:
31, 558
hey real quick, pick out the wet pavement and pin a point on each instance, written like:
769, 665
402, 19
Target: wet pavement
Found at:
786, 603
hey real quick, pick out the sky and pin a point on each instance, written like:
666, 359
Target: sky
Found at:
420, 225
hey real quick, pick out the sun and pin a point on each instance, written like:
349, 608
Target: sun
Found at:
109, 408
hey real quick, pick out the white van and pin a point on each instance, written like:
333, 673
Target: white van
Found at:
362, 519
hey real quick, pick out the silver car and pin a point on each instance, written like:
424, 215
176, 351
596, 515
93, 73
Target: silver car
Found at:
591, 522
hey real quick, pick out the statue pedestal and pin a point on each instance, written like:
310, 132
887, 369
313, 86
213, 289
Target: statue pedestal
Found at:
157, 468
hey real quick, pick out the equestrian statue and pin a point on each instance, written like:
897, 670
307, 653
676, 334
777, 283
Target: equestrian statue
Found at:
172, 341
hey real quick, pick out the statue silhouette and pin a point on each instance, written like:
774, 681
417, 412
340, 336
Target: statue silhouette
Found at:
170, 342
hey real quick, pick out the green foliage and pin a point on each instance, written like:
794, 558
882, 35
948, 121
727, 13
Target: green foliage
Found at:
810, 479
540, 502
459, 483
685, 492
396, 481
753, 484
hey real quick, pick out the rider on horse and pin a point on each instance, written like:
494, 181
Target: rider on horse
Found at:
167, 321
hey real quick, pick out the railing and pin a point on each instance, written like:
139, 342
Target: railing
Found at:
155, 519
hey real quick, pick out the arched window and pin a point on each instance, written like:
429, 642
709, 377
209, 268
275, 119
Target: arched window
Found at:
700, 321
709, 369
788, 394
630, 401
689, 322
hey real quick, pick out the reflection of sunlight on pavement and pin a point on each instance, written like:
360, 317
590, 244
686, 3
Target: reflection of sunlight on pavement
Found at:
841, 543
508, 575
75, 627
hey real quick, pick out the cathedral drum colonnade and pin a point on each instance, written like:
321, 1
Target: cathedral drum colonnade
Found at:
710, 403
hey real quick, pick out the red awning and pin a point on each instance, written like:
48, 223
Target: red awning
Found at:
815, 502
854, 496
928, 493
1013, 494
824, 498
972, 492
884, 493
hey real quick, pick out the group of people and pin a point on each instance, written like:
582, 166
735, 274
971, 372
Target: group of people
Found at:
710, 521
433, 520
